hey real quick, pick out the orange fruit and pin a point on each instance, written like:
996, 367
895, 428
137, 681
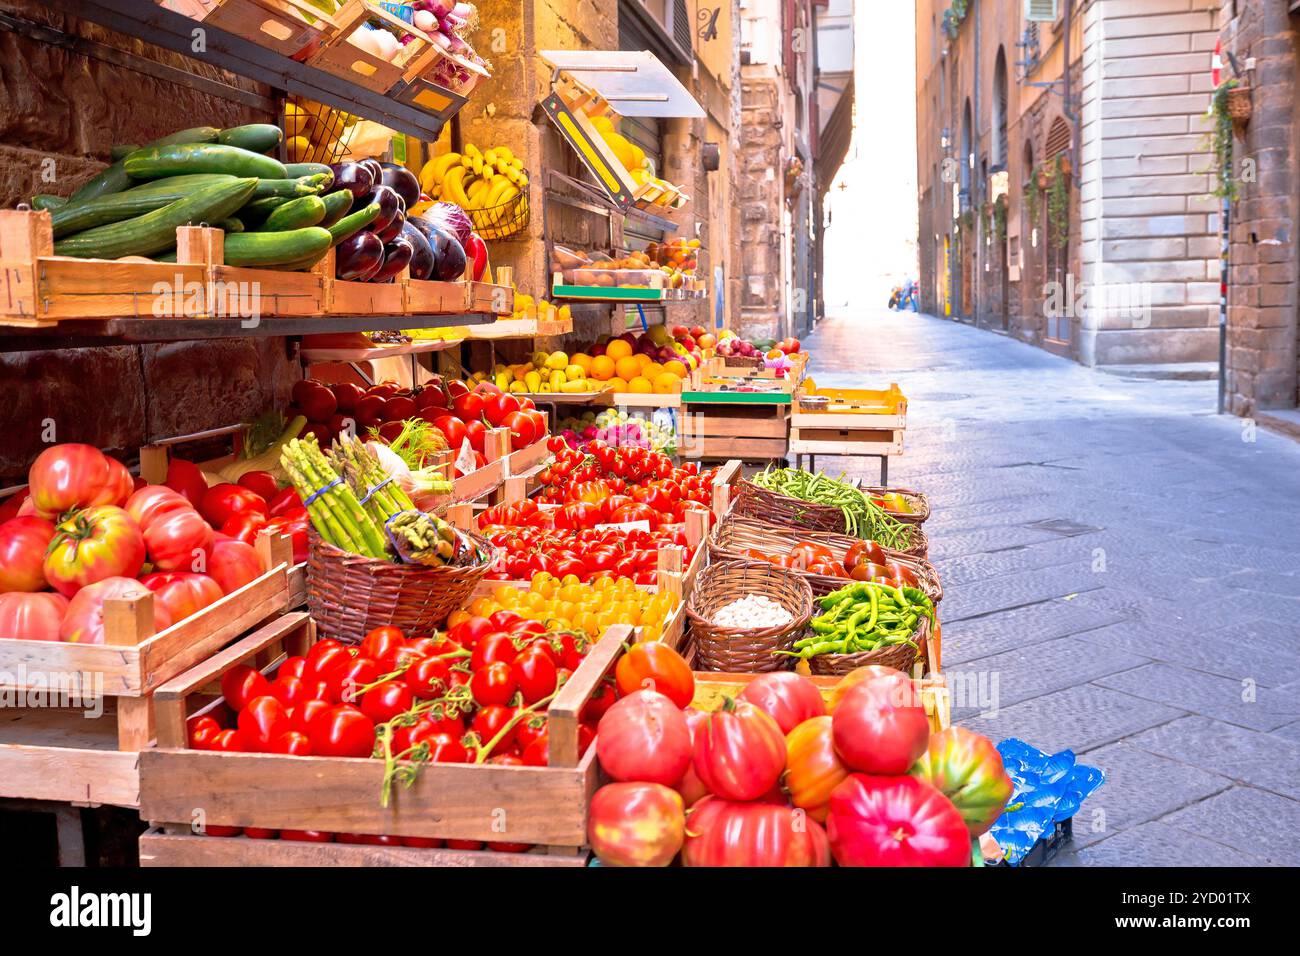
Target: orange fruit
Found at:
583, 361
627, 367
643, 360
640, 385
676, 367
618, 384
618, 348
666, 383
602, 367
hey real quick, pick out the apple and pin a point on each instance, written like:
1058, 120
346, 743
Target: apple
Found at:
697, 331
688, 342
680, 332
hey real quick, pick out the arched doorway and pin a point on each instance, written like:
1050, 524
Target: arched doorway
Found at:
1056, 224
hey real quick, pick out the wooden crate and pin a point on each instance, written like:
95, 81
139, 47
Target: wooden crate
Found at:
852, 408
545, 806
746, 432
436, 298
247, 294
342, 58
38, 288
60, 753
281, 26
846, 441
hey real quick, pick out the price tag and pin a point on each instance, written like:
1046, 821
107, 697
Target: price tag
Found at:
465, 461
625, 526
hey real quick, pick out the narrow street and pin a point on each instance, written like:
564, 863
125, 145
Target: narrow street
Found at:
1121, 570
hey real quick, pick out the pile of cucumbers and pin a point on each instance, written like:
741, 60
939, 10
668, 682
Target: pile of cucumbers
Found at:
275, 215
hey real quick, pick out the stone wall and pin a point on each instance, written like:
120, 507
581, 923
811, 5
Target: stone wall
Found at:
762, 204
60, 106
1149, 223
1262, 301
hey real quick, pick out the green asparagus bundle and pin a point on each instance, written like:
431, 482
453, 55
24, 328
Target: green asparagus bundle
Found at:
335, 512
375, 489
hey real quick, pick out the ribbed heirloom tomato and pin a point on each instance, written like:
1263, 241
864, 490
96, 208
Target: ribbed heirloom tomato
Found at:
644, 737
880, 726
728, 833
232, 564
812, 768
69, 476
84, 621
31, 615
739, 751
653, 665
636, 824
966, 768
786, 697
23, 542
182, 593
179, 540
895, 821
91, 545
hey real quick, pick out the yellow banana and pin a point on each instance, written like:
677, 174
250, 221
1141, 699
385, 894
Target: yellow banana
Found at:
436, 168
453, 187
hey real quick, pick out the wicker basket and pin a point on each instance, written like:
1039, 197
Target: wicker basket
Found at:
768, 506
1239, 104
736, 534
745, 650
900, 656
349, 595
919, 502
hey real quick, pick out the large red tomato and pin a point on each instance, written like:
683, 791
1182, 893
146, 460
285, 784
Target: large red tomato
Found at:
895, 821
32, 615
91, 545
84, 621
152, 502
636, 824
186, 479
644, 737
691, 787
182, 593
233, 564
880, 726
812, 769
522, 430
22, 553
69, 476
967, 769
224, 500
729, 833
342, 731
855, 677
786, 697
653, 665
739, 751
119, 486
179, 540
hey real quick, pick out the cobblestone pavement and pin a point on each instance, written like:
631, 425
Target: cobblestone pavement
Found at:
1121, 571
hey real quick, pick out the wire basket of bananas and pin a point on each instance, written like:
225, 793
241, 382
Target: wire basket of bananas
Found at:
316, 133
490, 185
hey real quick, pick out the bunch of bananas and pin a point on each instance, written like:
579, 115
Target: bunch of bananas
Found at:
478, 181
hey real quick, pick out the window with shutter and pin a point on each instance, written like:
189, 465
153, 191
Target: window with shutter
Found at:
1040, 11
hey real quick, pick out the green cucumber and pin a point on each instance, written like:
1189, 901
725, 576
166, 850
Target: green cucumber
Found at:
171, 183
78, 216
255, 137
123, 151
156, 231
308, 169
284, 188
353, 222
295, 214
258, 249
300, 265
164, 256
112, 179
155, 162
259, 209
337, 205
229, 224
46, 201
195, 134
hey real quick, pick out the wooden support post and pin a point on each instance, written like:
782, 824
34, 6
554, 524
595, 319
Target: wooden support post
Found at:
497, 444
134, 723
153, 464
697, 527
461, 515
128, 621
72, 839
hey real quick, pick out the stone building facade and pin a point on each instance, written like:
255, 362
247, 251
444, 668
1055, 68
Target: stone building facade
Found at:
1063, 175
1262, 302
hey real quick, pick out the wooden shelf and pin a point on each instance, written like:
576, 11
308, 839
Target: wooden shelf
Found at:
418, 347
520, 329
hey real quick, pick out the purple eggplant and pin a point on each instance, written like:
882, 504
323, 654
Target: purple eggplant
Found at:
397, 256
358, 257
376, 171
422, 261
393, 229
403, 180
390, 205
351, 176
448, 254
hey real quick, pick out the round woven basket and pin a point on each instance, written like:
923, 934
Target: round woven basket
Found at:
1239, 104
349, 595
755, 502
736, 534
739, 650
900, 656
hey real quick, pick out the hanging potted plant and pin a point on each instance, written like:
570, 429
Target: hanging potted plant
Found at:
1042, 178
1058, 199
1225, 186
1239, 105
